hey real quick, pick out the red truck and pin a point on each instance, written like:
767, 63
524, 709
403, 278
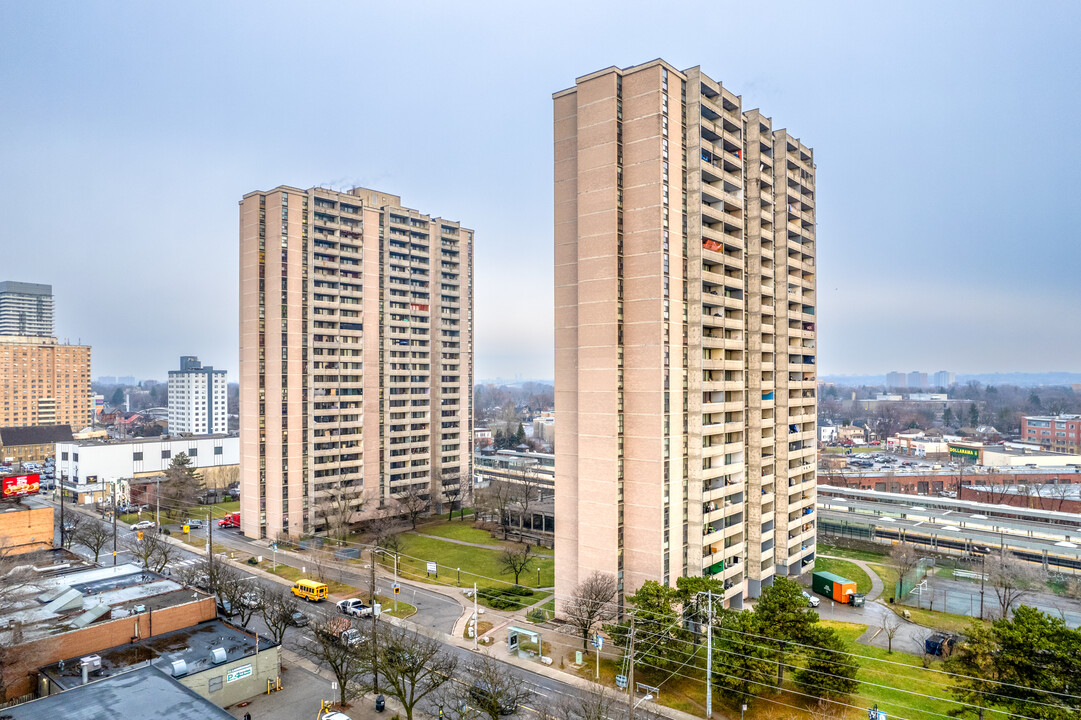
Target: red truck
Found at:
232, 520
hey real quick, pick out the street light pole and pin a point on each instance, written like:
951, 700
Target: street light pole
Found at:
709, 656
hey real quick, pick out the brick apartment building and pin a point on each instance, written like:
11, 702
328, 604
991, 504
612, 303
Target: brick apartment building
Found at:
1057, 433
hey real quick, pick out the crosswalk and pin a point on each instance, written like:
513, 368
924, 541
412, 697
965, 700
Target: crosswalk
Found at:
177, 564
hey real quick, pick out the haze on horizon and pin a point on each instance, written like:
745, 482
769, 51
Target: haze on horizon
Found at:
131, 130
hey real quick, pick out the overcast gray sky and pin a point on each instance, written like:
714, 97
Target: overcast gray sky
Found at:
945, 136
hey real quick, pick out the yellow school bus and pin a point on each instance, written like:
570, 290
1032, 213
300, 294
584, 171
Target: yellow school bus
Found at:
310, 590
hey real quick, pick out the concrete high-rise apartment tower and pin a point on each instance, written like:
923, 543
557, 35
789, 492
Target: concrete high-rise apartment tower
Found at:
356, 358
198, 399
896, 380
685, 335
944, 379
26, 309
917, 379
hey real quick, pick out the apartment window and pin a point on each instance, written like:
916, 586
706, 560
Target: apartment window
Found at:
217, 450
63, 456
166, 454
137, 456
193, 452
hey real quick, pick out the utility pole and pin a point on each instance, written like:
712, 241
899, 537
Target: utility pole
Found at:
114, 520
395, 589
62, 511
983, 575
210, 554
630, 673
157, 505
709, 656
375, 636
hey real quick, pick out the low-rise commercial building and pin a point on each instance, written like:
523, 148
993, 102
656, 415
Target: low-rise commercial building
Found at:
87, 469
948, 481
216, 660
918, 445
32, 443
25, 528
69, 609
145, 693
1007, 456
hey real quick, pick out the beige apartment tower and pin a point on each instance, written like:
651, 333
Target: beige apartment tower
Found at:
685, 335
356, 358
43, 382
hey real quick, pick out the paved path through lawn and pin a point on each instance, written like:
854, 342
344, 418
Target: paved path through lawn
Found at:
877, 586
462, 542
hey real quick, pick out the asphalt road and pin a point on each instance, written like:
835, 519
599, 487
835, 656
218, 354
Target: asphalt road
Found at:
434, 611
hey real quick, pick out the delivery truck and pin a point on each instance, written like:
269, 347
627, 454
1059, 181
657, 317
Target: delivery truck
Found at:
232, 520
836, 588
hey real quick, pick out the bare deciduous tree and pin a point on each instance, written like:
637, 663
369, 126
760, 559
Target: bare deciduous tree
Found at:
413, 666
414, 503
906, 558
346, 660
238, 590
891, 624
495, 500
338, 507
516, 560
94, 535
600, 703
151, 550
276, 606
502, 689
69, 529
1011, 578
593, 603
526, 491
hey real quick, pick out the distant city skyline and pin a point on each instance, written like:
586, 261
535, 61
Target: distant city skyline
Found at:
153, 134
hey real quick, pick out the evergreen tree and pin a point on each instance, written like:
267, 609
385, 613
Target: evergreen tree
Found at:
519, 437
973, 415
741, 661
783, 616
828, 673
947, 417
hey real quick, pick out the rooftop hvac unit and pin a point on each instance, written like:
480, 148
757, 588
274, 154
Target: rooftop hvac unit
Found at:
179, 668
217, 655
91, 662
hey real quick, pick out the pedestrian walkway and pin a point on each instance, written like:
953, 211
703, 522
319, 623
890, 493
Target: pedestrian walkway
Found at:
482, 546
877, 586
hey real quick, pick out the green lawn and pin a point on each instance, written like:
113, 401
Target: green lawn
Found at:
901, 679
457, 530
865, 555
477, 565
936, 620
845, 569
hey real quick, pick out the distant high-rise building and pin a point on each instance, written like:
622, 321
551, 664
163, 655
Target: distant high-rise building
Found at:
917, 380
896, 380
44, 383
685, 335
198, 403
944, 379
356, 358
26, 309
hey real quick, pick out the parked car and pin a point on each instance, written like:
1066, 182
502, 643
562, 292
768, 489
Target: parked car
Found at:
351, 637
194, 522
812, 601
354, 607
226, 608
143, 525
250, 600
298, 619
